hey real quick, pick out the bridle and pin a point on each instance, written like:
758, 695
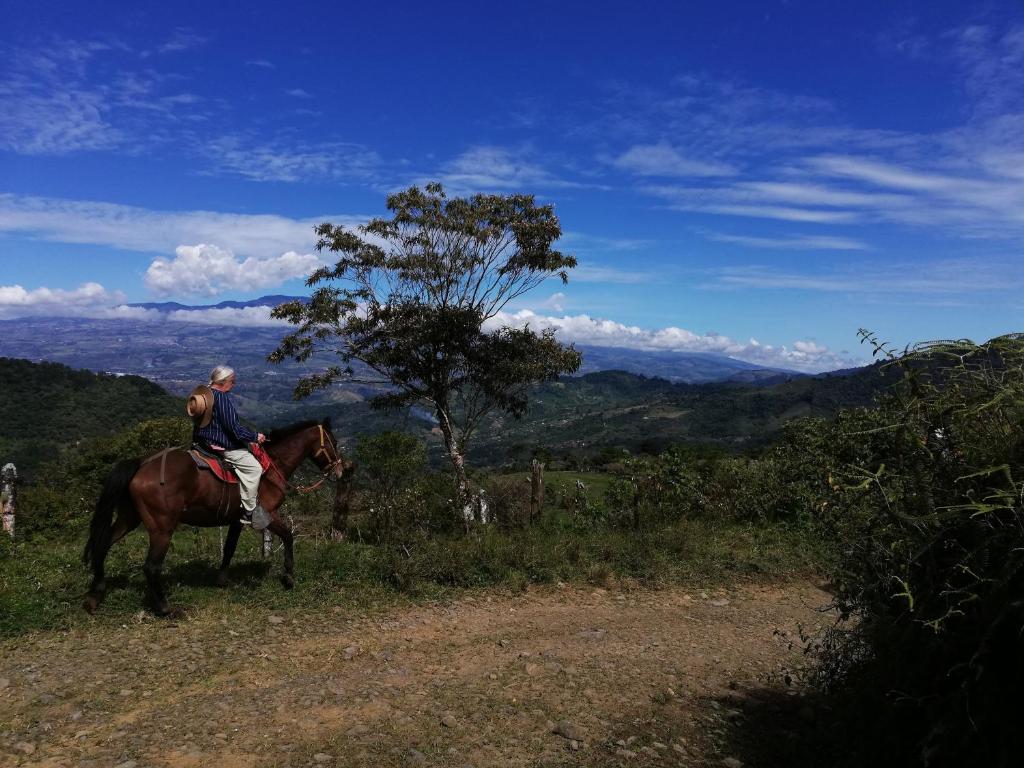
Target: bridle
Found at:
326, 448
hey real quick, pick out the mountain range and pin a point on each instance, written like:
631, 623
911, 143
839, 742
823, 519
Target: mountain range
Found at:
120, 346
621, 397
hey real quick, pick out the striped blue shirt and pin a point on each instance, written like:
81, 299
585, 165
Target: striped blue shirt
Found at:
224, 429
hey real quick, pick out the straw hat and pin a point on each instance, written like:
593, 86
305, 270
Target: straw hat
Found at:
199, 406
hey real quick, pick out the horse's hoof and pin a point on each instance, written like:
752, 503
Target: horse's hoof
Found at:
92, 602
287, 581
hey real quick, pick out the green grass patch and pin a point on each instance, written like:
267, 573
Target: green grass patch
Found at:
42, 582
596, 483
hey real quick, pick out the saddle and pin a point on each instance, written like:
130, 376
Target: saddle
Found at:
213, 462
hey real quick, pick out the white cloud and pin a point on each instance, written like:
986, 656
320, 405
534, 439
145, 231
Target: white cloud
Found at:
976, 277
261, 63
140, 229
71, 97
796, 159
207, 270
665, 160
555, 302
802, 355
182, 40
231, 316
492, 168
587, 273
598, 243
290, 161
794, 242
17, 301
299, 93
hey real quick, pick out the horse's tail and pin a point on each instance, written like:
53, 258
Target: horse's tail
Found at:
114, 495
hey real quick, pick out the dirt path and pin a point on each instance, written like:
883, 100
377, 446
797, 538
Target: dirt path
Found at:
634, 678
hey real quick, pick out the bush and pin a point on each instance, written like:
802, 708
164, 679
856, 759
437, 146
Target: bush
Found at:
926, 502
65, 492
508, 500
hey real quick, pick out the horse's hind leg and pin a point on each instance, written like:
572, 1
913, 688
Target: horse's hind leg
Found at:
124, 525
229, 551
282, 531
159, 541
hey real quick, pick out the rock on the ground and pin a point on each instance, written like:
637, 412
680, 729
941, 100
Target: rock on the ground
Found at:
732, 762
322, 757
449, 721
569, 730
275, 619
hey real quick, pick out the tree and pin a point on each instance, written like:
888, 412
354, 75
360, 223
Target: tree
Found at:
418, 298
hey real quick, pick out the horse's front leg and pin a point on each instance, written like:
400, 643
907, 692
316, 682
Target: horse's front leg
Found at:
234, 530
283, 532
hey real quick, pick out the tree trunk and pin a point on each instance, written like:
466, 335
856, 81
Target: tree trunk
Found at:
466, 497
8, 497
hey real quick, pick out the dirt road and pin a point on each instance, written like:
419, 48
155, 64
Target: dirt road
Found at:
555, 676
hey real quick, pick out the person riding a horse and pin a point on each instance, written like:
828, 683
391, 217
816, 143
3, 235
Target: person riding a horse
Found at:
220, 432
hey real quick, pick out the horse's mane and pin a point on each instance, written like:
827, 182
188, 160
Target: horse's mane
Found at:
280, 433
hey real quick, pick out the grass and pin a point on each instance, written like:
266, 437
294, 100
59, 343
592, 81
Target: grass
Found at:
42, 582
596, 483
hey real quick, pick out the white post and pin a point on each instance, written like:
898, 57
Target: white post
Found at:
268, 540
8, 497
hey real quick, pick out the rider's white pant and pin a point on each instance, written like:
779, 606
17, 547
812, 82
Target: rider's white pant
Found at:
249, 471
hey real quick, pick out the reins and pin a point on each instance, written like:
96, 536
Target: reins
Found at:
288, 486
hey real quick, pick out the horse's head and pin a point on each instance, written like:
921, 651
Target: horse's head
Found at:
327, 456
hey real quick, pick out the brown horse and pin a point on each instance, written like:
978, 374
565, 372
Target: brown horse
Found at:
169, 489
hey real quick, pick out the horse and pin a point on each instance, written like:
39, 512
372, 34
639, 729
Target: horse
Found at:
168, 489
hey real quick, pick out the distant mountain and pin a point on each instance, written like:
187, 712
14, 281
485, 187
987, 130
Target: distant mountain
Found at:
688, 367
262, 301
631, 398
123, 348
176, 354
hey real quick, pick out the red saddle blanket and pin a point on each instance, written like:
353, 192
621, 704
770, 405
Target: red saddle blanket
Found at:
224, 472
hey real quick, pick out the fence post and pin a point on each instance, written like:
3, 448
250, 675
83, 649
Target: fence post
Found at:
536, 489
8, 497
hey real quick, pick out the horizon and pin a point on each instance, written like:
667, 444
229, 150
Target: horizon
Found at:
756, 183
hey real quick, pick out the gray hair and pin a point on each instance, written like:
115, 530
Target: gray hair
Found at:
221, 373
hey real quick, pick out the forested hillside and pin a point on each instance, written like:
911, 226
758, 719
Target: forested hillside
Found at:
576, 416
45, 408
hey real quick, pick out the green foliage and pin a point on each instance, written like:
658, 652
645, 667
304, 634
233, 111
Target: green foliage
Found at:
65, 491
926, 506
584, 421
390, 464
409, 297
47, 409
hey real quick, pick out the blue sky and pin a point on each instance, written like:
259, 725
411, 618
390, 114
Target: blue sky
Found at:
756, 179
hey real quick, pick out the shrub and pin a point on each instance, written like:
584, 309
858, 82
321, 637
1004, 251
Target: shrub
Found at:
926, 501
64, 492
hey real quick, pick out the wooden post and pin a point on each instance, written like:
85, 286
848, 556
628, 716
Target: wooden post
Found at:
342, 501
536, 490
268, 541
8, 497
